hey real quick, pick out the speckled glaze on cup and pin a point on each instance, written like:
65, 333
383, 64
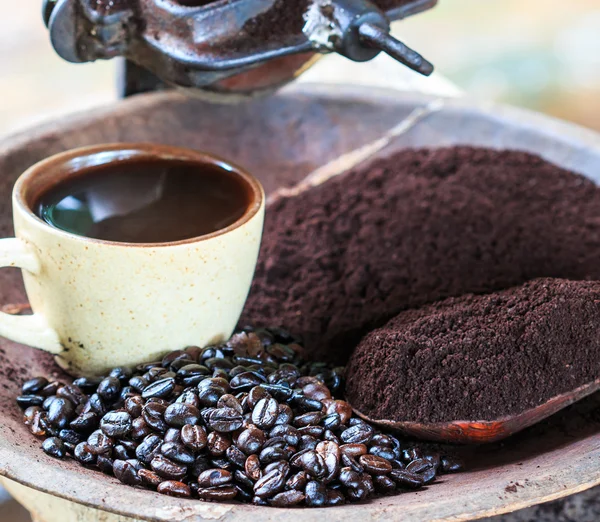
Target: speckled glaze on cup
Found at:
99, 304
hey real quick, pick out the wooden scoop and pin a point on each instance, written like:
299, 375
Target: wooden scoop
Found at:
477, 432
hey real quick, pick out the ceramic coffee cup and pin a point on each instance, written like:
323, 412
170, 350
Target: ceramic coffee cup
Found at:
99, 304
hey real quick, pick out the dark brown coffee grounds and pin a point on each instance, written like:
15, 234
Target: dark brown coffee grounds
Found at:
480, 357
343, 258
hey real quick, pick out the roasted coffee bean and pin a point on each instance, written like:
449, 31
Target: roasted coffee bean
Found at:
316, 391
190, 396
109, 389
161, 388
384, 484
351, 462
313, 431
287, 498
406, 479
181, 363
153, 415
287, 432
84, 454
353, 449
307, 442
174, 488
428, 475
236, 456
280, 392
251, 440
139, 429
418, 466
271, 454
217, 443
256, 394
265, 413
88, 384
285, 415
99, 443
116, 424
96, 404
30, 413
298, 481
246, 381
222, 463
375, 465
191, 374
85, 422
170, 358
358, 434
316, 494
332, 421
72, 393
61, 413
230, 401
172, 435
382, 451
180, 414
330, 452
270, 484
225, 420
150, 479
193, 352
252, 467
342, 408
120, 452
202, 463
214, 477
210, 395
313, 418
105, 464
34, 386
54, 447
70, 436
134, 406
194, 437
126, 473
221, 493
177, 453
138, 383
148, 448
51, 388
313, 463
408, 455
379, 439
241, 479
451, 465
305, 404
167, 468
122, 373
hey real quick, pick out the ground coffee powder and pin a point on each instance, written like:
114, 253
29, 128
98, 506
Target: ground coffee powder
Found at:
480, 357
343, 258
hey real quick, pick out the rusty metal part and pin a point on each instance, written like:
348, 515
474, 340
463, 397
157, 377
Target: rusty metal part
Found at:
281, 139
201, 44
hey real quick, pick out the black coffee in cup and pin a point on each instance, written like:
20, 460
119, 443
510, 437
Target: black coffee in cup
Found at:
146, 201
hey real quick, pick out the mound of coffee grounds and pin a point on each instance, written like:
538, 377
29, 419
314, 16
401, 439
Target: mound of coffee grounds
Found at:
246, 420
480, 357
343, 258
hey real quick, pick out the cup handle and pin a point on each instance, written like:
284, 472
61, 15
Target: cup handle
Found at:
32, 330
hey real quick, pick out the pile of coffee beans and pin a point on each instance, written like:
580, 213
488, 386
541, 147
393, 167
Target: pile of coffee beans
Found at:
246, 420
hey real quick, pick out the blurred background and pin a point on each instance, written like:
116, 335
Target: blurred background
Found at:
540, 54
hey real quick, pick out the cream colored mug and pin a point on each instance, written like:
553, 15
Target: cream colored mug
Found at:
99, 304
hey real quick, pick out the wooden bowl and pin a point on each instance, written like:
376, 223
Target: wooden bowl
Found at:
281, 139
